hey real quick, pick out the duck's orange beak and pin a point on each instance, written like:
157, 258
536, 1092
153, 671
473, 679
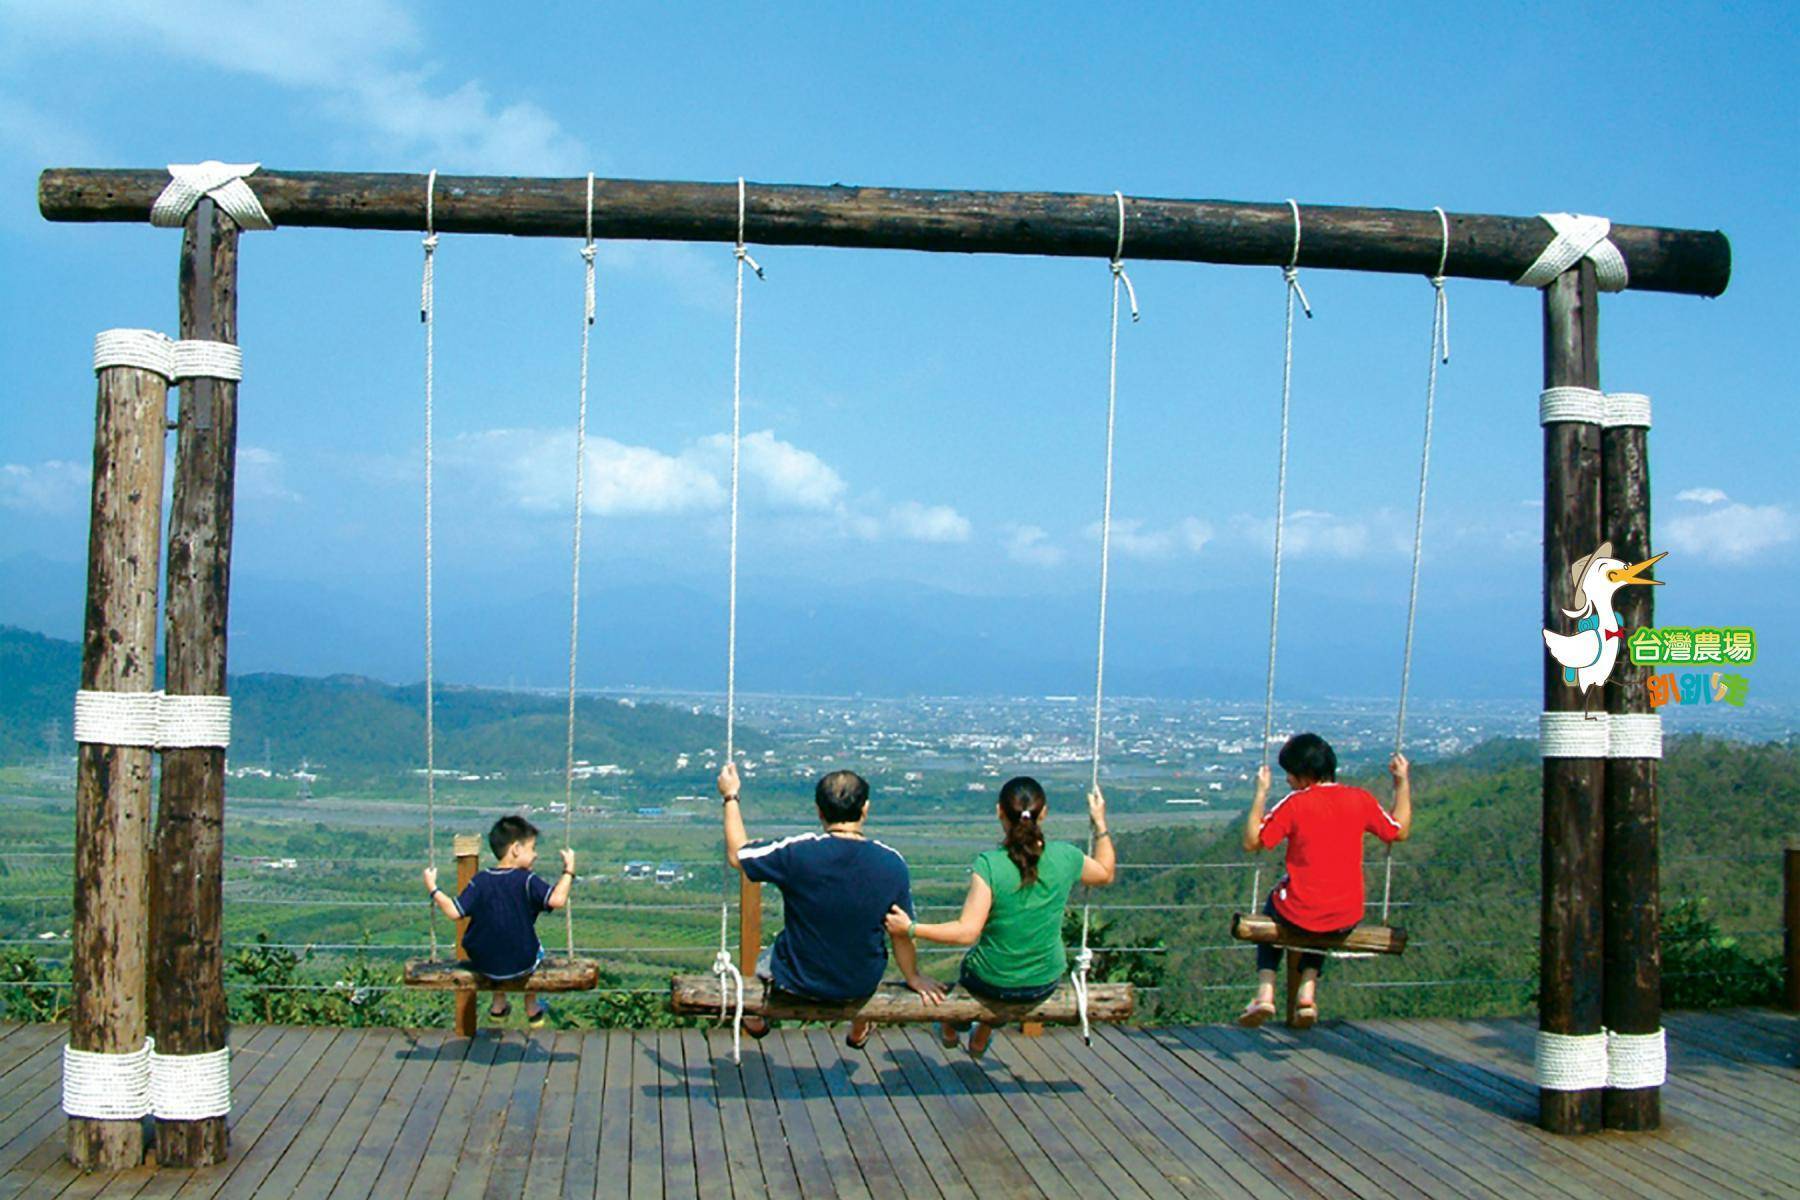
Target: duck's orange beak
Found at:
1630, 574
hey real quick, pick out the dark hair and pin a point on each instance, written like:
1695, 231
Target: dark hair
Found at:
508, 832
1309, 756
841, 796
1022, 807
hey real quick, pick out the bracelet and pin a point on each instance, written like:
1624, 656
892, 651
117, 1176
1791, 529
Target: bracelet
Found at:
912, 926
436, 892
729, 800
1098, 834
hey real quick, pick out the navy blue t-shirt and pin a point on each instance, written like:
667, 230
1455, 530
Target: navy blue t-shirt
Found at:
837, 891
502, 904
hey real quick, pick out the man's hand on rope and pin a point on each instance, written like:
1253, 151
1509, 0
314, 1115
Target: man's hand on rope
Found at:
431, 879
1097, 808
728, 781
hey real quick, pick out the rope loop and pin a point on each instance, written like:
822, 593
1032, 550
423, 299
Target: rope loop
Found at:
1291, 272
731, 980
1440, 338
1078, 981
742, 254
1118, 258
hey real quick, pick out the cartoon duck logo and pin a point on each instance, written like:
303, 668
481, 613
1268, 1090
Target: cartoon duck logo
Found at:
1589, 654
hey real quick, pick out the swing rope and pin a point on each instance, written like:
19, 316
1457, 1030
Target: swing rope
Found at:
581, 410
723, 966
1440, 353
1084, 959
1291, 274
427, 316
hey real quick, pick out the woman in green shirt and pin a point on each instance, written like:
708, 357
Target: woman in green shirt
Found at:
1013, 914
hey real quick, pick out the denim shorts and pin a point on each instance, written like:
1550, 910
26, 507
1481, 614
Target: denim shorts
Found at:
975, 985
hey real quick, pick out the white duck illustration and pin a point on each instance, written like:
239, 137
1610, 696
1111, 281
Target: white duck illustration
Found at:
1589, 654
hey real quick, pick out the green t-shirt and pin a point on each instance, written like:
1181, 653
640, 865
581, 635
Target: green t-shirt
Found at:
1021, 945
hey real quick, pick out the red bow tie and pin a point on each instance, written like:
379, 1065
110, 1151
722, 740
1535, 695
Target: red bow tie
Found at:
1613, 633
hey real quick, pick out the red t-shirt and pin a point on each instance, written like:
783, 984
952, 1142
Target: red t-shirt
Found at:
1324, 826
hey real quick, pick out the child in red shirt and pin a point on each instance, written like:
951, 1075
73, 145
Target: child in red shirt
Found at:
1323, 823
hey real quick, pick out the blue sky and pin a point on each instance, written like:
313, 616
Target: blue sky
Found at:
926, 430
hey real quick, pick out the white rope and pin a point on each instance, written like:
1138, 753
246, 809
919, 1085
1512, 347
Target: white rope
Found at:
587, 327
1578, 236
224, 182
427, 289
1634, 735
106, 1087
1626, 408
190, 1087
1291, 274
152, 719
729, 977
1573, 404
1571, 1062
1078, 981
1636, 1060
148, 350
1573, 735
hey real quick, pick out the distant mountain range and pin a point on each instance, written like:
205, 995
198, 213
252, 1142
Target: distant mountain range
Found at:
360, 726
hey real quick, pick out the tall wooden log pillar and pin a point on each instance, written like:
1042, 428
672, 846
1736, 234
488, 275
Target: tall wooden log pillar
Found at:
188, 877
1632, 976
112, 783
1570, 938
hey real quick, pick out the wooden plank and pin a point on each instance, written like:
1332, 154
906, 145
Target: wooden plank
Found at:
895, 1003
1757, 1093
552, 975
333, 1154
780, 1176
821, 1161
23, 1086
742, 1156
24, 1042
646, 1123
982, 1152
883, 1146
712, 1166
1272, 1163
1366, 938
615, 1127
429, 1177
473, 1160
314, 1128
679, 1170
544, 1175
421, 1120
1483, 246
1738, 1043
378, 1136
581, 1167
511, 1155
1135, 1150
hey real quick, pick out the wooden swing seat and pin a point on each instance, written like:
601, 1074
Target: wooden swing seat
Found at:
895, 1003
552, 975
1363, 939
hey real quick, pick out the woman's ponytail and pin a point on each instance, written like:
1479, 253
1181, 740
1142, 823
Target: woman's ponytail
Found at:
1022, 808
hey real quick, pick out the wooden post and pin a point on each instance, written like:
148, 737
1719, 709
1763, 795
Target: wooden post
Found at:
112, 783
468, 861
1632, 989
1291, 968
749, 925
1790, 906
1570, 940
187, 885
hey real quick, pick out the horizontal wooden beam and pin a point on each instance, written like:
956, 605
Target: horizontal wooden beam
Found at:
1370, 939
698, 995
1397, 241
552, 975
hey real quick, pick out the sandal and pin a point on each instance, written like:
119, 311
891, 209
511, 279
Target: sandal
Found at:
979, 1040
856, 1043
1255, 1013
948, 1036
1306, 1015
760, 1029
539, 1018
500, 1008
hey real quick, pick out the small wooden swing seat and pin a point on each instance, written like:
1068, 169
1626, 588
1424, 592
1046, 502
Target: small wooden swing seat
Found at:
895, 1003
552, 975
1362, 939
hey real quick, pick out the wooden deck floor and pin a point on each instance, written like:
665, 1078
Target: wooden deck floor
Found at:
1369, 1109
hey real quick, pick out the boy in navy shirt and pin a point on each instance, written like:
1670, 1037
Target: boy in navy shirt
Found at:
836, 888
502, 905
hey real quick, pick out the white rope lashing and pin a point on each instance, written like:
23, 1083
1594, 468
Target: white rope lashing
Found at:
1290, 274
581, 410
1588, 406
148, 350
224, 182
190, 1087
106, 1087
1634, 735
723, 966
1636, 1060
152, 719
1578, 236
1084, 958
1573, 735
427, 288
1571, 1062
1626, 408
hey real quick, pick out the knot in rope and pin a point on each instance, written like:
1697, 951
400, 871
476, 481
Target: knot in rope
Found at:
1078, 981
222, 182
730, 976
1291, 272
1440, 336
1118, 258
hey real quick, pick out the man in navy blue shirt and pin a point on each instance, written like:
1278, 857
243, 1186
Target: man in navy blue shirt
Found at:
836, 887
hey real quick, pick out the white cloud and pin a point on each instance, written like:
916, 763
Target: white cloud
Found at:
1730, 532
775, 473
53, 486
1703, 495
536, 470
1312, 533
1132, 538
917, 522
262, 476
1031, 545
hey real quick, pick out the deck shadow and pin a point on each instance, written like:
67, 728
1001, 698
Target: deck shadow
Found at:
1474, 1083
509, 1052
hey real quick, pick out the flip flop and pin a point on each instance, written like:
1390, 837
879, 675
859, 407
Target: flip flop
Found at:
855, 1043
538, 1019
986, 1035
948, 1036
760, 1030
504, 1011
1306, 1015
1255, 1013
